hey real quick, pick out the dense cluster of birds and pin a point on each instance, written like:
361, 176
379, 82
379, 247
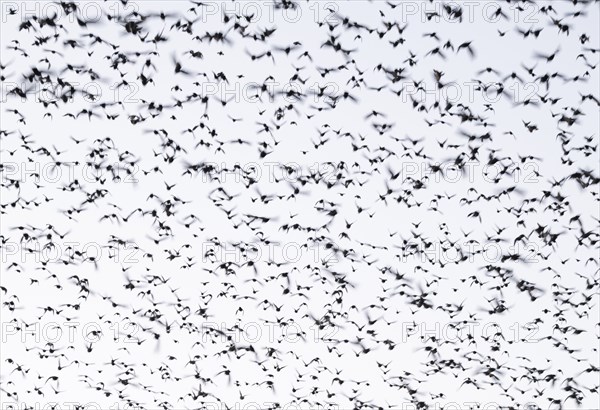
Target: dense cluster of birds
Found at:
293, 204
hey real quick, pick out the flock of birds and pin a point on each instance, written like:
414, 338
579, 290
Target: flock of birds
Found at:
292, 204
